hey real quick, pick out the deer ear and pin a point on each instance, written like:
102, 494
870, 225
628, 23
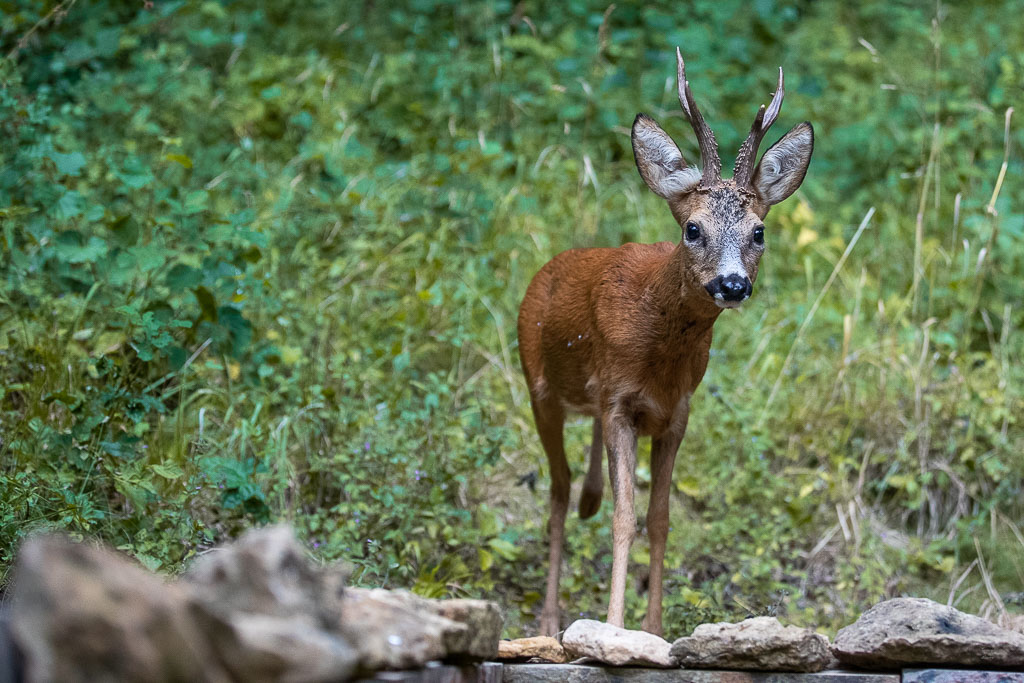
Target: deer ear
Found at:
659, 160
784, 165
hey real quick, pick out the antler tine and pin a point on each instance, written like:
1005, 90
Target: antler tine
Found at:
743, 171
711, 163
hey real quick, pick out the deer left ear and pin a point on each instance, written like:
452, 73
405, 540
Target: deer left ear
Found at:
784, 165
659, 160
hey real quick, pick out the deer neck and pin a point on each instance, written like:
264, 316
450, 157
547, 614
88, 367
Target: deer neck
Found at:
674, 305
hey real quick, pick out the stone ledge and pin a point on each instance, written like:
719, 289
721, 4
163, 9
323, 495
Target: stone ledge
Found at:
436, 672
572, 673
961, 676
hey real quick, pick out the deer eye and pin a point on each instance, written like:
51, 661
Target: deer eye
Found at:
692, 231
759, 235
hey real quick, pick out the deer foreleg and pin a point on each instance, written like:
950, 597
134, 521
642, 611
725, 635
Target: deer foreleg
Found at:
663, 457
620, 439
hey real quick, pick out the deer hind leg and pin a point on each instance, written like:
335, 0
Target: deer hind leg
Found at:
663, 457
550, 419
621, 445
593, 485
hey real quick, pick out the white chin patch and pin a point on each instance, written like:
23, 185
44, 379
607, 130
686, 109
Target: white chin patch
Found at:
722, 303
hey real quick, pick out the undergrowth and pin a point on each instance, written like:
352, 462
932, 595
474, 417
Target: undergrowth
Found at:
264, 264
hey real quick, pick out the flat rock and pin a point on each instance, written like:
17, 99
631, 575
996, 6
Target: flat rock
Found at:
483, 622
575, 673
269, 649
960, 676
81, 614
400, 630
615, 646
538, 647
915, 631
761, 643
436, 672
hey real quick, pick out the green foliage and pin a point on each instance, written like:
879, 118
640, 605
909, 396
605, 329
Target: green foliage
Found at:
263, 263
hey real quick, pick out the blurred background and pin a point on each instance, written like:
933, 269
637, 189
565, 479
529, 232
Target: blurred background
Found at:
262, 262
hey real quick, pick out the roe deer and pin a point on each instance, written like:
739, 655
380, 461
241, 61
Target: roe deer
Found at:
622, 334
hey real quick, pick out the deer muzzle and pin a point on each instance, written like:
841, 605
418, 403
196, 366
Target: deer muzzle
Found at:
729, 291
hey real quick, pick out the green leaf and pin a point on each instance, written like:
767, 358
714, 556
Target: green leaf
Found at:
207, 304
180, 159
68, 164
71, 251
149, 562
504, 549
69, 205
182, 277
168, 471
195, 201
486, 559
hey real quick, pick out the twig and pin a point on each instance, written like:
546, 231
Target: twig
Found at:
929, 170
987, 579
991, 208
959, 581
59, 11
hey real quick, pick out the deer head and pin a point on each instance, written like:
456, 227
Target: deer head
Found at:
721, 219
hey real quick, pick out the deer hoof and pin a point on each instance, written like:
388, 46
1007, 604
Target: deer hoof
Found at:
590, 503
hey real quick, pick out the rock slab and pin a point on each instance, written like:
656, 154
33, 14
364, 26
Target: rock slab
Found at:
574, 673
81, 613
914, 631
266, 572
616, 646
960, 676
761, 643
400, 630
268, 612
539, 647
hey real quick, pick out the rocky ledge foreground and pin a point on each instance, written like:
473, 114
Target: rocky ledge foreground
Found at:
259, 611
255, 611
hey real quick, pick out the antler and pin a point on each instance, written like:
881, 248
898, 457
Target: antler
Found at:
744, 168
712, 165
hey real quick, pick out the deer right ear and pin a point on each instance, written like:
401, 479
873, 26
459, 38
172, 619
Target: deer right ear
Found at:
659, 160
784, 165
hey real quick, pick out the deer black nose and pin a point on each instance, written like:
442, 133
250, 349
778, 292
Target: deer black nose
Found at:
734, 288
730, 287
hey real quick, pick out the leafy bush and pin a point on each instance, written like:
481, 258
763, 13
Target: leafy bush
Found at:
263, 263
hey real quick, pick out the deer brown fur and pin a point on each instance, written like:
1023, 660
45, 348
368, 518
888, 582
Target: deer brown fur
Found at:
623, 334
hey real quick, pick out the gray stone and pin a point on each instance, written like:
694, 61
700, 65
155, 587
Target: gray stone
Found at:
571, 673
83, 614
266, 572
399, 630
914, 631
435, 672
761, 643
483, 622
538, 647
614, 645
269, 613
269, 649
960, 676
